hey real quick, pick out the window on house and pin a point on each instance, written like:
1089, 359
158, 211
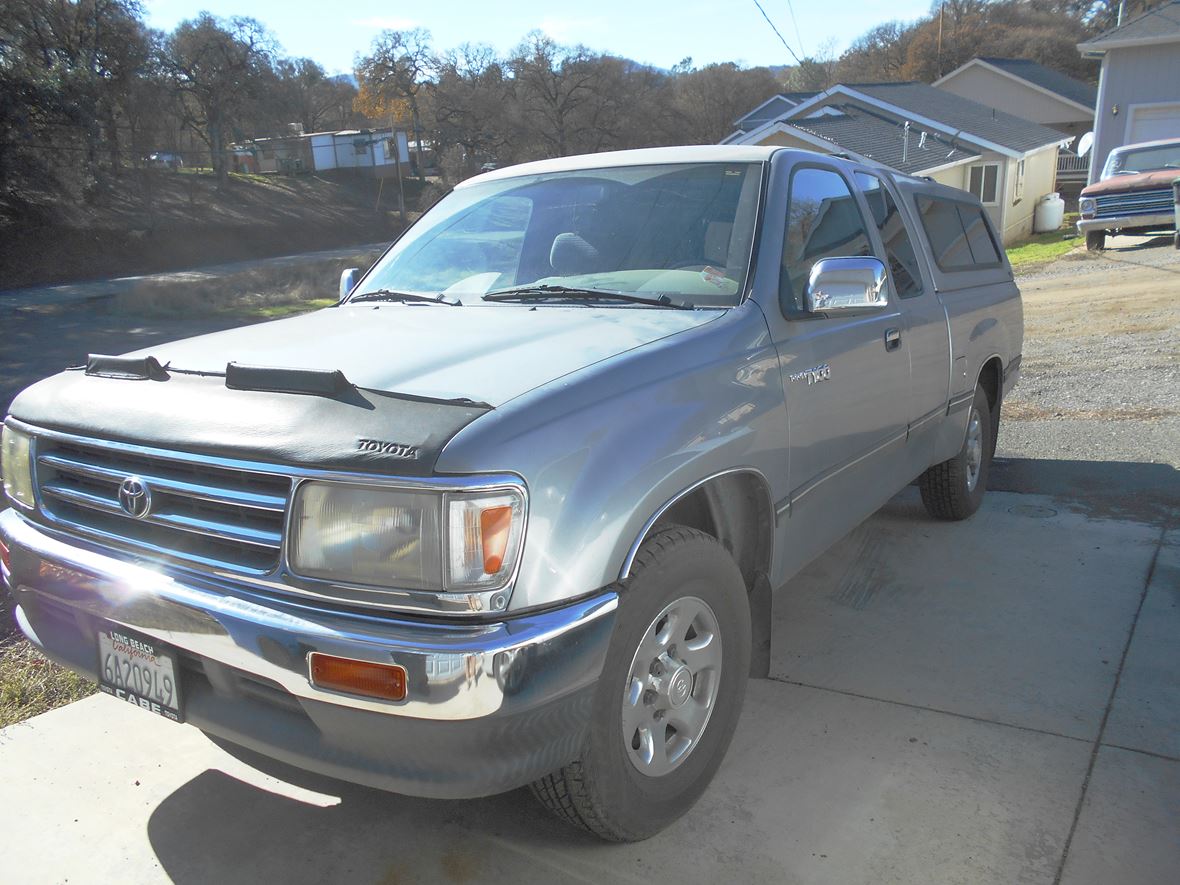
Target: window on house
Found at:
959, 235
899, 251
1018, 192
823, 221
983, 181
361, 146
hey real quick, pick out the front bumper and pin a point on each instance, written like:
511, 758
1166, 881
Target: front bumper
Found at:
490, 706
1154, 221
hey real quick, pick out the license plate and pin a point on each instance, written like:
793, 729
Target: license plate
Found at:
140, 670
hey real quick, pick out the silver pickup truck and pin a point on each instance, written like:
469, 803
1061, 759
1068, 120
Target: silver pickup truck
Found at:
512, 511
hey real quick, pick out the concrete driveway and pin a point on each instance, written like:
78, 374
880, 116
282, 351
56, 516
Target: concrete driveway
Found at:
991, 701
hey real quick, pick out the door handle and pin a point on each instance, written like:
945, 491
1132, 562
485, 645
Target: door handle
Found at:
892, 339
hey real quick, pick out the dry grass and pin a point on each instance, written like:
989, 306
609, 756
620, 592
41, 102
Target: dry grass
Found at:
267, 291
30, 684
1018, 410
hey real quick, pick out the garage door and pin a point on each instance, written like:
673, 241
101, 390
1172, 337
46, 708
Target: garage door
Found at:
1150, 123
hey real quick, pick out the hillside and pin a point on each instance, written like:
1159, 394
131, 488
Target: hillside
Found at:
153, 221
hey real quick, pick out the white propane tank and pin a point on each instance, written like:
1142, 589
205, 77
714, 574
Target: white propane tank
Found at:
1049, 214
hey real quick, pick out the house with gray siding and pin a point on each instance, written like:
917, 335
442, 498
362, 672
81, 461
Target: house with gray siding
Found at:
1139, 86
1006, 161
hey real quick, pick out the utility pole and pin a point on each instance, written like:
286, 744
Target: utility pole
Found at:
940, 8
397, 159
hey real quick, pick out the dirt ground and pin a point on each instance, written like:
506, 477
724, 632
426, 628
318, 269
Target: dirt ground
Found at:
1101, 369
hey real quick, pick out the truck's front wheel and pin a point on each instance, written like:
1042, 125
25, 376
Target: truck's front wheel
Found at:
669, 696
1095, 240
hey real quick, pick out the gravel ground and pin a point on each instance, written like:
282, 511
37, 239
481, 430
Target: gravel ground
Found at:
1101, 370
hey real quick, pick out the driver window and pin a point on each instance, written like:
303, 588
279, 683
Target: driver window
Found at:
823, 221
478, 248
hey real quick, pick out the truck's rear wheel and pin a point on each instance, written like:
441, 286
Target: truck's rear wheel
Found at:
669, 696
954, 489
1095, 240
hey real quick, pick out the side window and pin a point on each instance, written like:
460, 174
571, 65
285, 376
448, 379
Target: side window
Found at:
899, 249
823, 221
958, 234
983, 181
979, 238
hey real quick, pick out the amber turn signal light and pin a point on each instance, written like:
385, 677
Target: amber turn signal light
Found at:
384, 681
495, 523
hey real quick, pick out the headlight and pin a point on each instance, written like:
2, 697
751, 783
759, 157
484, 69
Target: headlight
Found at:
404, 538
17, 466
1087, 207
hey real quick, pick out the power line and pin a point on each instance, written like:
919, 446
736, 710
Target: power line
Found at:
795, 22
798, 60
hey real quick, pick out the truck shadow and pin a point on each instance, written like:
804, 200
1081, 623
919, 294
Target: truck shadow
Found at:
1135, 490
218, 828
222, 828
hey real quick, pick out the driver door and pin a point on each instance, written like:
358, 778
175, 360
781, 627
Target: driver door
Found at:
846, 378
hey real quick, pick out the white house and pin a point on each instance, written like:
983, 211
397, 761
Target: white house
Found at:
367, 149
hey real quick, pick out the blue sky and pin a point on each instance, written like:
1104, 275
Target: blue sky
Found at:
659, 32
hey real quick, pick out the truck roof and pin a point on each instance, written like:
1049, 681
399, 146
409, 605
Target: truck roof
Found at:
702, 153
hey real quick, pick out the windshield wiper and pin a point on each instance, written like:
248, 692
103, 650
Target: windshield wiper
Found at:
574, 293
393, 295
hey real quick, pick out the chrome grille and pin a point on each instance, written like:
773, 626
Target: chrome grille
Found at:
212, 515
1137, 203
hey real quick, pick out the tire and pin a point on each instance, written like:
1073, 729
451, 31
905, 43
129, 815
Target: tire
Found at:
1095, 240
954, 489
613, 789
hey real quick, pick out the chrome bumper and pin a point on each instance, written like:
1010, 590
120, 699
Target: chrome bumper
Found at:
454, 671
1125, 222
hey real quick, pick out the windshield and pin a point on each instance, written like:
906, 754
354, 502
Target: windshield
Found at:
673, 234
1145, 159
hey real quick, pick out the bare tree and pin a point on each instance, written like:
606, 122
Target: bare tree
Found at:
552, 83
216, 66
307, 95
712, 98
392, 77
471, 105
878, 55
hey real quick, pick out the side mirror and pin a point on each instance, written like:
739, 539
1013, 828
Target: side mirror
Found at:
839, 285
348, 281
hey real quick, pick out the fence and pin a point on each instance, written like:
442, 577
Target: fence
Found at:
1071, 167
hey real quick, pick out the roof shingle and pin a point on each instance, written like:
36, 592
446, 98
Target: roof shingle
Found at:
772, 109
1160, 22
962, 114
882, 138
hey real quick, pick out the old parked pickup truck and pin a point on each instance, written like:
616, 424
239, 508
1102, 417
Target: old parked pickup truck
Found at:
1134, 194
512, 511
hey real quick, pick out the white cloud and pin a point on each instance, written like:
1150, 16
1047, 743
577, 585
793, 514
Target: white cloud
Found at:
386, 22
569, 30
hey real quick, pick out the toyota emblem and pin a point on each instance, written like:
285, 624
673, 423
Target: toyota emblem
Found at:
135, 497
